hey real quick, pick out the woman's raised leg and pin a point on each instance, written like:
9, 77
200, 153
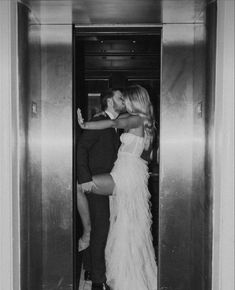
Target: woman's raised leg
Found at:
103, 184
83, 209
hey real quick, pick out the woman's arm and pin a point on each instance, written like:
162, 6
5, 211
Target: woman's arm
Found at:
124, 115
127, 122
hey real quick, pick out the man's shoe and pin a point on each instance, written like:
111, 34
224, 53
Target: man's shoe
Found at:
100, 286
87, 276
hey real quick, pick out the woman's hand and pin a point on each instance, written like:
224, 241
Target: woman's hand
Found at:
81, 122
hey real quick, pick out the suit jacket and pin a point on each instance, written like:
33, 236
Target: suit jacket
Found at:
96, 151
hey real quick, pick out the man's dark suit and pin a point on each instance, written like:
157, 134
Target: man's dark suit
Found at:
96, 153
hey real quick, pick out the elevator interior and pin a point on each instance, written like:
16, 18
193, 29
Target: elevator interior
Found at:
117, 59
51, 77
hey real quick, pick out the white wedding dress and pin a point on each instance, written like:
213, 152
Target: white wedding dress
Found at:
130, 258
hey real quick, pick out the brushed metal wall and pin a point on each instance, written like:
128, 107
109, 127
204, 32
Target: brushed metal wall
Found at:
30, 151
45, 91
45, 83
183, 198
56, 156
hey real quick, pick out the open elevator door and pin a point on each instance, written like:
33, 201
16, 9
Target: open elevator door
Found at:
116, 57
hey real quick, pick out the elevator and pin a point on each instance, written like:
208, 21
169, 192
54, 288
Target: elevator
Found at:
116, 58
68, 54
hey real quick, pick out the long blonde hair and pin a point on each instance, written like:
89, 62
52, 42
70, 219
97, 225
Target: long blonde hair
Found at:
138, 103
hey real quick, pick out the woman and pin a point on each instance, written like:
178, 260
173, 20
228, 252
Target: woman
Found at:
130, 261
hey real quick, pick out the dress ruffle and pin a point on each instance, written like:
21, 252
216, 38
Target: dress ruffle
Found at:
130, 256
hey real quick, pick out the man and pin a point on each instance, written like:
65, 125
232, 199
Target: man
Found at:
96, 153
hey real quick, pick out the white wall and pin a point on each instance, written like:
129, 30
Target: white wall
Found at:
223, 234
9, 203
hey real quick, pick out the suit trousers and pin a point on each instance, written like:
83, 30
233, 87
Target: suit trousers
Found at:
94, 256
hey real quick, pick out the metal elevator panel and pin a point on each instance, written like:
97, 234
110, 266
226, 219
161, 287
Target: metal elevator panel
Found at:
29, 50
46, 148
45, 91
57, 163
183, 224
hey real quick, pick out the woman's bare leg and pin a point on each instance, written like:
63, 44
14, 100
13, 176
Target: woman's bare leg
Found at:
103, 184
83, 209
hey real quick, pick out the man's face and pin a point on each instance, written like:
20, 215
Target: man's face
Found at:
118, 102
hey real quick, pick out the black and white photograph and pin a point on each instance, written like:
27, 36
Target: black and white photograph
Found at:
117, 144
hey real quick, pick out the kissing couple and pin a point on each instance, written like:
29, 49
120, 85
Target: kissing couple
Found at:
117, 243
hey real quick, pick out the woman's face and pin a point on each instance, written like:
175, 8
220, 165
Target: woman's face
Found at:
128, 105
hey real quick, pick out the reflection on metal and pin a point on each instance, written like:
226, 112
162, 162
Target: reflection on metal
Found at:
56, 35
118, 12
45, 81
184, 11
183, 215
45, 71
30, 157
56, 147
